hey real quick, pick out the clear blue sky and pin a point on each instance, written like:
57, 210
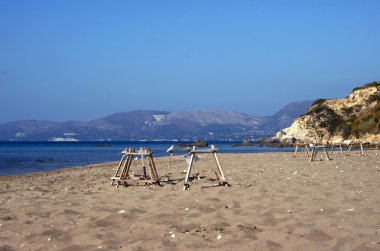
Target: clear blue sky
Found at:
81, 60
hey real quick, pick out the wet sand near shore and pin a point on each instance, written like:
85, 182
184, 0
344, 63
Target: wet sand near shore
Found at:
275, 202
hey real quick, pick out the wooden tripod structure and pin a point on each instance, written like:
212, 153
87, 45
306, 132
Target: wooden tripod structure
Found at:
219, 172
302, 145
360, 146
122, 172
315, 149
335, 145
349, 147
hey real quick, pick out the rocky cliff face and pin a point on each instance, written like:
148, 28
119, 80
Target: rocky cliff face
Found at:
354, 117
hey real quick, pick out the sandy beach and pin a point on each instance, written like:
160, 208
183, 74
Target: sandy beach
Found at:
275, 202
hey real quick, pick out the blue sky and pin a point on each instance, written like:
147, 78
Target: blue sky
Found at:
80, 60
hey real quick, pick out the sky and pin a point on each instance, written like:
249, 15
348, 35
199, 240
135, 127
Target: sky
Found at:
81, 60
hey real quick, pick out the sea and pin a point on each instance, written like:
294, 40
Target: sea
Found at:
29, 157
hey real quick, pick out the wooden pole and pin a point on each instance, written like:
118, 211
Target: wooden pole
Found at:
312, 154
143, 163
126, 172
349, 150
217, 163
151, 172
127, 166
332, 148
185, 186
118, 169
307, 150
361, 149
171, 163
154, 170
327, 154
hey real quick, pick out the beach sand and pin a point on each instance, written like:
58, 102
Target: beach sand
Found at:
275, 202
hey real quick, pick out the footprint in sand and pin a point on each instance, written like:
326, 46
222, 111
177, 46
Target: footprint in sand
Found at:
233, 205
136, 211
6, 248
206, 209
273, 245
77, 247
108, 221
7, 218
56, 234
70, 212
318, 235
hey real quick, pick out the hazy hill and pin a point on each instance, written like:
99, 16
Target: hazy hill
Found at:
286, 116
159, 125
354, 117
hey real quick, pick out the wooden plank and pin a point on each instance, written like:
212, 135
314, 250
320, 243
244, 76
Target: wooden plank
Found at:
145, 152
126, 168
117, 170
204, 151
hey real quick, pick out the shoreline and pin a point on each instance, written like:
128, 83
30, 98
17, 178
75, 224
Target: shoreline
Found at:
28, 158
275, 202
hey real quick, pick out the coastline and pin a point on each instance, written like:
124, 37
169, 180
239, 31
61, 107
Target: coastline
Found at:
275, 202
28, 157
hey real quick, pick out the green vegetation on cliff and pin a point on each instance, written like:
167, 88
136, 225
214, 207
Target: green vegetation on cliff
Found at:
353, 120
368, 122
327, 117
372, 84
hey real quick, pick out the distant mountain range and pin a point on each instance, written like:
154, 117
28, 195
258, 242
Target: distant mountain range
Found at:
157, 125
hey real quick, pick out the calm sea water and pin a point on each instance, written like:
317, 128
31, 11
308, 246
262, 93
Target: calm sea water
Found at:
29, 157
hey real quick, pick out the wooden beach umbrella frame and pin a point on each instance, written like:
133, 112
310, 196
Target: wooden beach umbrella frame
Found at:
301, 145
122, 174
314, 150
349, 147
219, 172
361, 153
